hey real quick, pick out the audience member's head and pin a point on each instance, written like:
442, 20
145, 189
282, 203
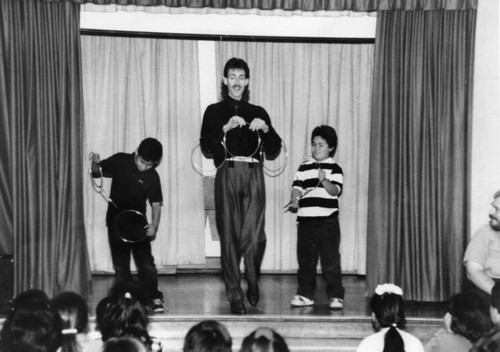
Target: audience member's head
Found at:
388, 311
495, 303
32, 299
33, 331
122, 316
123, 344
132, 287
208, 336
469, 315
264, 340
73, 310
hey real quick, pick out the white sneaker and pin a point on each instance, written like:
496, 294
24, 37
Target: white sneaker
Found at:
301, 301
336, 303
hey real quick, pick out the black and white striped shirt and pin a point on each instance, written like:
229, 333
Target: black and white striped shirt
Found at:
317, 203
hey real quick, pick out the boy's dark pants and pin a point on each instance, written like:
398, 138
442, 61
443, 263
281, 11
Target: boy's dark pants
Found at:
319, 238
144, 261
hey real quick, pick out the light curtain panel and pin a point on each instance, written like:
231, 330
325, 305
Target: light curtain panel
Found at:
303, 85
136, 88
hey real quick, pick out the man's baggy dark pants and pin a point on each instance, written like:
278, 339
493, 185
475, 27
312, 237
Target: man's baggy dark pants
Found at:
240, 206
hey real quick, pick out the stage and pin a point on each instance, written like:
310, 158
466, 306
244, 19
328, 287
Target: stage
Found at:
191, 298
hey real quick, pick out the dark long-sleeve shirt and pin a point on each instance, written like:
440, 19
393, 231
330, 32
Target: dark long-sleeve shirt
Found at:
240, 141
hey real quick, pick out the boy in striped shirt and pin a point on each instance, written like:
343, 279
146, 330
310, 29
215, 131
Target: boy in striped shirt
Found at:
315, 191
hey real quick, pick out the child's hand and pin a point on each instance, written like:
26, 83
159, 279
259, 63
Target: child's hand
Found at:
293, 207
321, 175
151, 231
96, 158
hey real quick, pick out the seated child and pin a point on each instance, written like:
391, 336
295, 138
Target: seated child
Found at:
73, 310
264, 340
467, 320
388, 316
208, 336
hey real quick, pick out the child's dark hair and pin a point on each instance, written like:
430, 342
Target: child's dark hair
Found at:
32, 299
73, 310
122, 316
264, 340
133, 287
388, 309
33, 330
329, 134
150, 149
123, 344
236, 64
208, 336
470, 316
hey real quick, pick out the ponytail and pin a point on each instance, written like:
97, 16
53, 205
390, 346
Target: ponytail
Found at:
69, 343
393, 341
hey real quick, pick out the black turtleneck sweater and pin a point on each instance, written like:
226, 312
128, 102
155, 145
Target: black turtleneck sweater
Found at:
240, 141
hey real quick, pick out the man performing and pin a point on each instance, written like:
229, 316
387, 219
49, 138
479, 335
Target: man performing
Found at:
482, 257
134, 181
232, 133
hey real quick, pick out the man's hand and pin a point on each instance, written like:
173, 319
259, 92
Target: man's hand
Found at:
476, 274
235, 121
259, 124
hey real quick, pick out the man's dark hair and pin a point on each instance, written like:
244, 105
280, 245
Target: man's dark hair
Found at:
328, 134
150, 149
235, 64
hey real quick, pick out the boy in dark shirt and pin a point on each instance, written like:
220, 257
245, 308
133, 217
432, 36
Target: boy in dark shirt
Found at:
135, 181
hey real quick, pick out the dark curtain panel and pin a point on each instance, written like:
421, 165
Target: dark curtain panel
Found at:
420, 151
300, 5
41, 146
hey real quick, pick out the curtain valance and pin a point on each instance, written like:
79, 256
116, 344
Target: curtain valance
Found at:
298, 5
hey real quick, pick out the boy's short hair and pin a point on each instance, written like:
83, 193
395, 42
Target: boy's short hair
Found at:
150, 149
495, 296
329, 134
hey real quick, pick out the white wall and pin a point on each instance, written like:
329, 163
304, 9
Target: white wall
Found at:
486, 113
215, 24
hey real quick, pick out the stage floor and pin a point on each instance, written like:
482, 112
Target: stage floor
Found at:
203, 295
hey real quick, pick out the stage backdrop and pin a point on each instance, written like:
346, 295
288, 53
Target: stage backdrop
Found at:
302, 85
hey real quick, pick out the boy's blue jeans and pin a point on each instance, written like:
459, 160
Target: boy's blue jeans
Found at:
319, 238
